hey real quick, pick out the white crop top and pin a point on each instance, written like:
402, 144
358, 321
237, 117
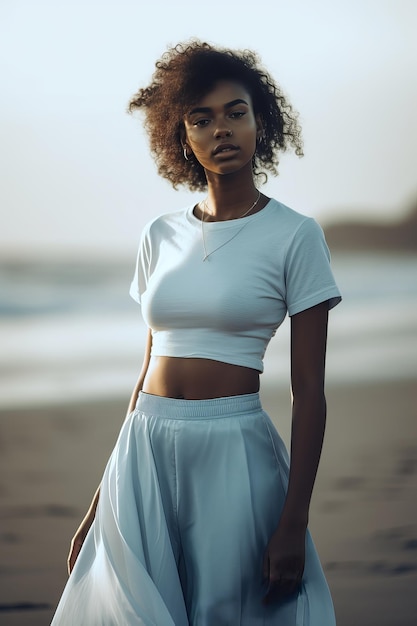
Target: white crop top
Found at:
229, 306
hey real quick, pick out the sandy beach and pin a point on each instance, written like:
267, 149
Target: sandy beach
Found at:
363, 517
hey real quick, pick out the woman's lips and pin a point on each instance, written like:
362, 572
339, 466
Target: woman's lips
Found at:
224, 148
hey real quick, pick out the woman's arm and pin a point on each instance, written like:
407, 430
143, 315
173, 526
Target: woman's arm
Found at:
143, 371
79, 537
308, 354
284, 559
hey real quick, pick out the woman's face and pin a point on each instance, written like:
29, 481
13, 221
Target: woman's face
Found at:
221, 129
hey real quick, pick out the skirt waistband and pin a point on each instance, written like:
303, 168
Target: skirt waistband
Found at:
178, 408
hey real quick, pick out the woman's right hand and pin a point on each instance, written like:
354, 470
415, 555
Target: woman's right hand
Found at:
77, 542
79, 537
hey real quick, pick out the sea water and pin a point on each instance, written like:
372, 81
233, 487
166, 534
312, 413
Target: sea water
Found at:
70, 331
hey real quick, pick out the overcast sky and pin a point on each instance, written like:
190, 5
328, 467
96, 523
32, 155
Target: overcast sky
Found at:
76, 171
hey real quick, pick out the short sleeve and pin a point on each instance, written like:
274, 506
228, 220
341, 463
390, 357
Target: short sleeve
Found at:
141, 275
309, 278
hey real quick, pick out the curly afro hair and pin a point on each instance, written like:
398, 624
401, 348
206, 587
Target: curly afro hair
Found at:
185, 74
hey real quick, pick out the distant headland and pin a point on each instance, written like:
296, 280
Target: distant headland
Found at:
373, 236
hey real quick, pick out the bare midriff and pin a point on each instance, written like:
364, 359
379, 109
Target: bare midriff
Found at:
198, 379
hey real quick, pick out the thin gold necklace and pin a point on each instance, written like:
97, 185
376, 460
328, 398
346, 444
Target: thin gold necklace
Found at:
205, 205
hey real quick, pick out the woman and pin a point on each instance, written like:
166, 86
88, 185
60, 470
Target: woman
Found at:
200, 520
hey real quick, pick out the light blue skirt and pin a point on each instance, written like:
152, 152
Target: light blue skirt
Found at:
189, 499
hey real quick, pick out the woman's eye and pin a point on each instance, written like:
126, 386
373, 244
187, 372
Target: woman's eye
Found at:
237, 114
202, 122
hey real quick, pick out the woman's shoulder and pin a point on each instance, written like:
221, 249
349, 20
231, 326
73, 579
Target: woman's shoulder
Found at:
284, 213
288, 222
164, 221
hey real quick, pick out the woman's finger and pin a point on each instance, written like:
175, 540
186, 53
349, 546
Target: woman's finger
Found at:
282, 587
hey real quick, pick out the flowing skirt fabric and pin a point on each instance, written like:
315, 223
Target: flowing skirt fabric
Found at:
189, 499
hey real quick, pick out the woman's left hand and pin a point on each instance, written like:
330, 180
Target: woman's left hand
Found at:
284, 561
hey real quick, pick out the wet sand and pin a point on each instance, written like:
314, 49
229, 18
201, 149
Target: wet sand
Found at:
363, 516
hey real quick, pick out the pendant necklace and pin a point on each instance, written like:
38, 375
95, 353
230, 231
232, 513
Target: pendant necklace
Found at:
205, 206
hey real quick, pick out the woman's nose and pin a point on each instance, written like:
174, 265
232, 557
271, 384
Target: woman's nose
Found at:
222, 131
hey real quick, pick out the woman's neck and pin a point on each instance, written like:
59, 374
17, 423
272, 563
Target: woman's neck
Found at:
229, 197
